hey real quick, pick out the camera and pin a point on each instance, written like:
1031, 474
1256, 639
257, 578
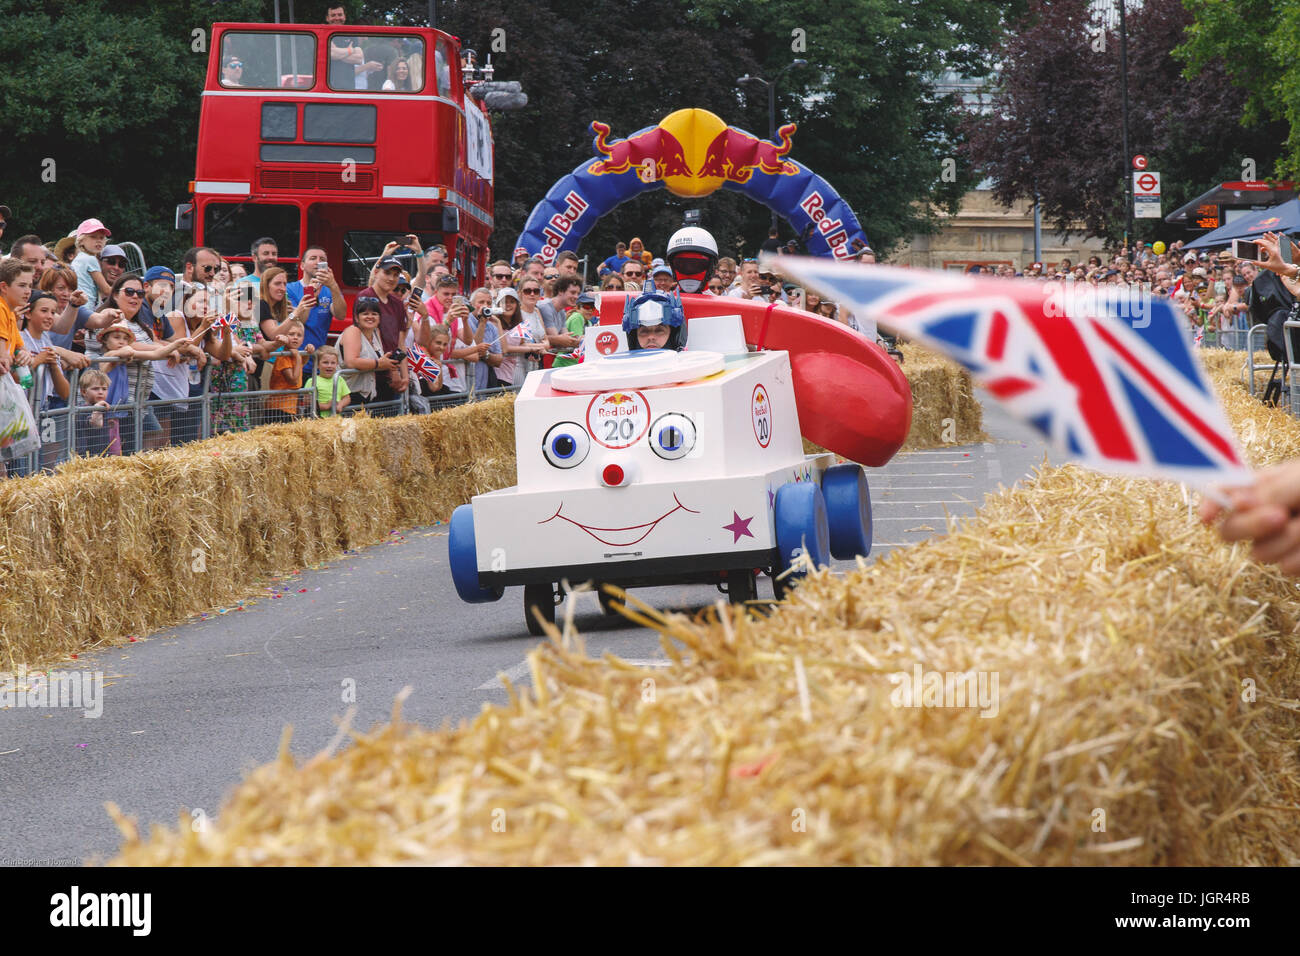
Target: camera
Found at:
397, 355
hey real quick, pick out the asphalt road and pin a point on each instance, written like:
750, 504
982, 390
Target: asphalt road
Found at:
186, 712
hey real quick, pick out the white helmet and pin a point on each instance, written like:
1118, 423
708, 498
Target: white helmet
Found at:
692, 255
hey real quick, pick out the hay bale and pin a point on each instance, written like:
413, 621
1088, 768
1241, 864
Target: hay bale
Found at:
113, 546
945, 410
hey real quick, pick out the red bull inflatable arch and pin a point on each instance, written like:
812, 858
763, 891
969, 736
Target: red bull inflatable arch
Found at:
691, 153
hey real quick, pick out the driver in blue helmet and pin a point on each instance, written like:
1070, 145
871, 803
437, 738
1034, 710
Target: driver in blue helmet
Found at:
654, 320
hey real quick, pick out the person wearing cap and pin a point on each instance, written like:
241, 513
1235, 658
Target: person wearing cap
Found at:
866, 254
663, 279
178, 377
393, 321
113, 263
92, 235
232, 70
517, 339
581, 317
393, 250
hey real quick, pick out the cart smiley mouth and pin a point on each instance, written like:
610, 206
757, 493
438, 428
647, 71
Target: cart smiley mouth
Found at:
632, 534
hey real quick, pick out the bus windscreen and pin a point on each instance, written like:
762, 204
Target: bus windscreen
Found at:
231, 227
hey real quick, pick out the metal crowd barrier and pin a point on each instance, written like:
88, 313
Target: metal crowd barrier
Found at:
1250, 352
66, 432
1291, 397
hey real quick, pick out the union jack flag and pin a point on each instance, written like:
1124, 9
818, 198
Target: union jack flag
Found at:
421, 364
1114, 384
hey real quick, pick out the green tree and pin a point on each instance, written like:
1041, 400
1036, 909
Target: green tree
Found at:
1055, 124
1256, 41
869, 119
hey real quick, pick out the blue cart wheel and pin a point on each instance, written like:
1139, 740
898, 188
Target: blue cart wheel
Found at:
464, 559
848, 508
801, 527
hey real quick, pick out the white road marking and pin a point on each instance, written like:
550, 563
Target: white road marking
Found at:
994, 466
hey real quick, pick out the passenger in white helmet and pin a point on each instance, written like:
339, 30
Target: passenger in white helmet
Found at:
692, 256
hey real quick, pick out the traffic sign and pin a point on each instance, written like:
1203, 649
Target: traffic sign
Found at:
1146, 184
1139, 161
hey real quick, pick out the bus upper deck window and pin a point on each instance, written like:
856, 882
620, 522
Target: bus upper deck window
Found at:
267, 61
392, 63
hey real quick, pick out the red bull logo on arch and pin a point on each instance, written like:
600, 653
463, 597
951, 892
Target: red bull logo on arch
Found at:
692, 153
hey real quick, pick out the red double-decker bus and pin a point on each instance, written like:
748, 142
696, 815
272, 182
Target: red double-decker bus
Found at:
346, 137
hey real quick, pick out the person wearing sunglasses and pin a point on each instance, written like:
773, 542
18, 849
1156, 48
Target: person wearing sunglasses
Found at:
199, 269
113, 262
633, 275
232, 71
530, 298
500, 276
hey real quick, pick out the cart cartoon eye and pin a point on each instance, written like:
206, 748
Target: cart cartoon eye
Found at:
672, 436
566, 445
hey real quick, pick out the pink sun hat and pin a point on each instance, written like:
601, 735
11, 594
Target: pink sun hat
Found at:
91, 226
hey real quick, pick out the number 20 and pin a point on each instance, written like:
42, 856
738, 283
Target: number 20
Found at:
619, 428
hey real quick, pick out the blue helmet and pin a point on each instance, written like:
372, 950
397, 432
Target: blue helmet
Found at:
652, 308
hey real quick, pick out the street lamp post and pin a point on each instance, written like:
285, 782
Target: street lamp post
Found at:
1128, 172
771, 103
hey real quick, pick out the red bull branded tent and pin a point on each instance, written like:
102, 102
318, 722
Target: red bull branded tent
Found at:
691, 153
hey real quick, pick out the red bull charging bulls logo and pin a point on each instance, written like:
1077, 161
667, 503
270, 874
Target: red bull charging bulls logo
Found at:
692, 153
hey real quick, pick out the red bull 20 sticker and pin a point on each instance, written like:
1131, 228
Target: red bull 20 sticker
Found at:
618, 419
761, 411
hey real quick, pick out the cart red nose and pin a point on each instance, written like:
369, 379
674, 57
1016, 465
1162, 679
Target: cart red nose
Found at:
617, 476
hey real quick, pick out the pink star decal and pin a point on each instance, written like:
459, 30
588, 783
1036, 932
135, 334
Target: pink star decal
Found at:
739, 526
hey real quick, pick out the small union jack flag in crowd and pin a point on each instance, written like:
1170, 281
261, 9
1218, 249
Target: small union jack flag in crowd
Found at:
421, 364
1114, 384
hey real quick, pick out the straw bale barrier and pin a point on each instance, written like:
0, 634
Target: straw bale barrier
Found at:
1145, 714
108, 547
112, 546
941, 391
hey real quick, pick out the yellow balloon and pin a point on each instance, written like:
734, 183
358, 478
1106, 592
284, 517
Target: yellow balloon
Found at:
1158, 248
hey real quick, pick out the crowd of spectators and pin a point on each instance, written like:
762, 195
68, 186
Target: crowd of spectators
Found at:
104, 334
1211, 290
